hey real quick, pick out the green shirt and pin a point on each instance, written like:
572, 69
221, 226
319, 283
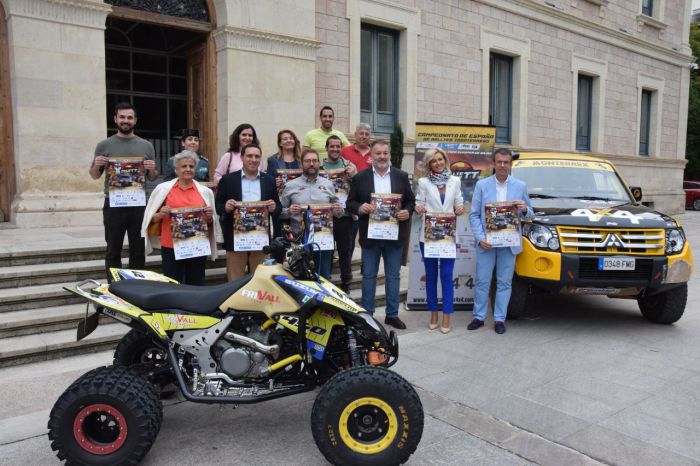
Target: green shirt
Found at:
316, 139
116, 146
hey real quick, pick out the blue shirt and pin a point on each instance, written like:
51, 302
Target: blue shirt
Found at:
250, 189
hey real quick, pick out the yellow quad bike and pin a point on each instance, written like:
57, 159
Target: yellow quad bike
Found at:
278, 332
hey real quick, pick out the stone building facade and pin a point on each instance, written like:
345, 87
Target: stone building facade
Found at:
274, 63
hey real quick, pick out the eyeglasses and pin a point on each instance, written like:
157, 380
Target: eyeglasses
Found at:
312, 161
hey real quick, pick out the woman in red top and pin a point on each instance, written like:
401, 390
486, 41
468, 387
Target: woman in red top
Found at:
182, 192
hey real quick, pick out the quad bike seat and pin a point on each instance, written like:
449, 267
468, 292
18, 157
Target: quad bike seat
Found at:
155, 296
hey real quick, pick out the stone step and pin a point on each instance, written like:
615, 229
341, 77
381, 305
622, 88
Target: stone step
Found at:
59, 317
59, 343
75, 271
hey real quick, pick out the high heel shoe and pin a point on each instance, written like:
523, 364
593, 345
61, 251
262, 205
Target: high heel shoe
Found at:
444, 329
431, 325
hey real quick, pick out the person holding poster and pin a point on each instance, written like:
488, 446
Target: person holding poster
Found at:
339, 171
500, 187
182, 211
245, 185
120, 220
439, 192
302, 192
381, 179
288, 157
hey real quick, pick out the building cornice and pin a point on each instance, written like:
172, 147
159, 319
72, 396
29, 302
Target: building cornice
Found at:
229, 37
86, 13
566, 21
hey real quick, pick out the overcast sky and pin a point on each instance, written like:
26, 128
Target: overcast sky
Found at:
696, 4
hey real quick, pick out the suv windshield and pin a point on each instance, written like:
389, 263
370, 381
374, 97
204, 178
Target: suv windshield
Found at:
574, 179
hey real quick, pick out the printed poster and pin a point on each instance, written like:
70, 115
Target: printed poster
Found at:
126, 181
251, 226
321, 227
469, 149
440, 230
383, 223
190, 232
502, 224
341, 182
287, 175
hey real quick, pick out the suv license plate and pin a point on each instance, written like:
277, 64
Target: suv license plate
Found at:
615, 263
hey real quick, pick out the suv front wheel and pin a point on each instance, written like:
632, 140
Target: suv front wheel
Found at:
666, 307
520, 291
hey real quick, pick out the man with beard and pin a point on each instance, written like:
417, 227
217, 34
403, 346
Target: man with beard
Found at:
120, 220
310, 189
342, 226
381, 178
316, 138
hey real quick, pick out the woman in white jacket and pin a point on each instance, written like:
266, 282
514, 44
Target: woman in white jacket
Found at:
181, 192
438, 191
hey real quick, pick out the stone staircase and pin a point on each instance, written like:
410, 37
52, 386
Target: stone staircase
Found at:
38, 318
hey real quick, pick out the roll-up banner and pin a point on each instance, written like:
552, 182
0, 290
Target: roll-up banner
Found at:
469, 150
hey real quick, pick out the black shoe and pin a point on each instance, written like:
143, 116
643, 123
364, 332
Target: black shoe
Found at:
345, 287
475, 324
499, 327
395, 322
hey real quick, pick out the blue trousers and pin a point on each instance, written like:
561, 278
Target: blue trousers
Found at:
391, 252
446, 268
504, 261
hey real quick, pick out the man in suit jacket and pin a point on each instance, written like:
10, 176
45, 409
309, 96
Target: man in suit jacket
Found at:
381, 178
247, 184
497, 188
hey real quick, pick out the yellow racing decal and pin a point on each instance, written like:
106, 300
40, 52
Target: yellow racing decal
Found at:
318, 327
539, 163
162, 323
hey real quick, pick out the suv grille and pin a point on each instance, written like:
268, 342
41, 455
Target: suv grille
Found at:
588, 269
611, 241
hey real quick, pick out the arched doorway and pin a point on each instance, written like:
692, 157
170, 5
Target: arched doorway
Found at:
160, 56
7, 161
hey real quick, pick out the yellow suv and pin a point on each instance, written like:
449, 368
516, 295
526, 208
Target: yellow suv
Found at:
591, 235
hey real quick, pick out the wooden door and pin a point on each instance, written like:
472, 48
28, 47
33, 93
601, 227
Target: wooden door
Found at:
7, 162
201, 97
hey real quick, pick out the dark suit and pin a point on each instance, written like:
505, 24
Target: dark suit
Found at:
373, 250
230, 188
361, 191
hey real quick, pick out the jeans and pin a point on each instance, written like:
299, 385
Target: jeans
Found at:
446, 268
391, 252
118, 221
504, 261
185, 271
323, 261
342, 233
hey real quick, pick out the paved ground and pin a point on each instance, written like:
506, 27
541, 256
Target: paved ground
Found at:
579, 380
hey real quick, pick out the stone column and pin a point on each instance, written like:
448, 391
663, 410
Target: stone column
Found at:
57, 75
266, 70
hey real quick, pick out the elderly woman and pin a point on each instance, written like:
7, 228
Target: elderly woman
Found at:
181, 192
438, 191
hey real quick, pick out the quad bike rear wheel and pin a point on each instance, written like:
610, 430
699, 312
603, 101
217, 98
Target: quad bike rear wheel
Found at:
367, 416
109, 416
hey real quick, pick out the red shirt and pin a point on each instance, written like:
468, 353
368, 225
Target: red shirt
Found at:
351, 154
178, 197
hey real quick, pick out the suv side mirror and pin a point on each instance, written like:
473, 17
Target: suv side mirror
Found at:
636, 193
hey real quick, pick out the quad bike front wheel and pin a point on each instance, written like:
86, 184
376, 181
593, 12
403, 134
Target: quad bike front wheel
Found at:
109, 416
367, 416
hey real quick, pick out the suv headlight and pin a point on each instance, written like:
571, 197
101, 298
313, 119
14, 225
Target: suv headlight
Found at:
675, 240
541, 236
